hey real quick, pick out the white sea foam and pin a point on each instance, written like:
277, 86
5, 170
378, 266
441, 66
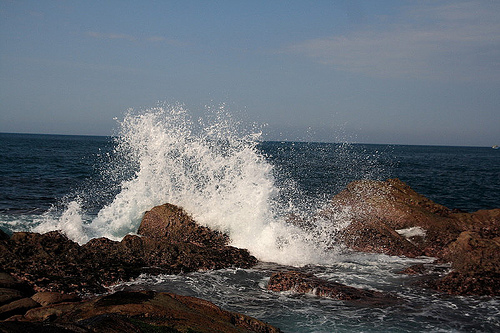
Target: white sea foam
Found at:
213, 170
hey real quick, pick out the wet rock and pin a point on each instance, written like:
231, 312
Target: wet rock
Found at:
47, 298
13, 296
8, 295
377, 237
389, 217
475, 261
466, 283
19, 306
27, 327
417, 269
383, 209
471, 252
3, 235
146, 311
174, 225
10, 282
309, 284
51, 262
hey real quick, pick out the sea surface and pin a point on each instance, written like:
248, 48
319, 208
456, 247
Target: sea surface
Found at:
226, 177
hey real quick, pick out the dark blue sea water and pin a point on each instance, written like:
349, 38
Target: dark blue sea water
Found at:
37, 171
77, 182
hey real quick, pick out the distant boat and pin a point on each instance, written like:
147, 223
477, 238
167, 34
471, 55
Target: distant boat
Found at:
495, 147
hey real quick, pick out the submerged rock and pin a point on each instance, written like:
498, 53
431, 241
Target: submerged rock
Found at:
309, 284
389, 217
144, 311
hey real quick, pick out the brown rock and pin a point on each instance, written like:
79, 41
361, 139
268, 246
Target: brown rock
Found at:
467, 283
49, 262
377, 237
384, 207
307, 283
8, 295
476, 266
27, 327
10, 282
3, 235
385, 215
174, 225
19, 306
471, 252
485, 222
148, 311
52, 262
417, 269
48, 297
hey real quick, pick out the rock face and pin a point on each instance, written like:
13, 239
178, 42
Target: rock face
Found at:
14, 296
52, 262
389, 217
143, 311
309, 284
47, 271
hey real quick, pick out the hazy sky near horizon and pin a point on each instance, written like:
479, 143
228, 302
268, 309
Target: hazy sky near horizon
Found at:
402, 72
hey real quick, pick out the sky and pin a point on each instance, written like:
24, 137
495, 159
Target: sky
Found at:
373, 71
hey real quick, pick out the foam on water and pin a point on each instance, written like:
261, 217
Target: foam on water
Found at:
213, 170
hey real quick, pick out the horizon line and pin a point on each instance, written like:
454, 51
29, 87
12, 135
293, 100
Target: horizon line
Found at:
273, 140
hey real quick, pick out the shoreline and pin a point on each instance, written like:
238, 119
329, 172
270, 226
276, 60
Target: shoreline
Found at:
171, 242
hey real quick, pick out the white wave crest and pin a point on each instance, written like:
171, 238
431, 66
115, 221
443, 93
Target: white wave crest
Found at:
212, 169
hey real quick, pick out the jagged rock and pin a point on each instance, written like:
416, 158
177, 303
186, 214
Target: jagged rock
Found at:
19, 306
476, 264
389, 217
10, 282
26, 327
471, 252
466, 283
377, 237
3, 235
144, 311
48, 297
383, 208
8, 295
309, 284
52, 262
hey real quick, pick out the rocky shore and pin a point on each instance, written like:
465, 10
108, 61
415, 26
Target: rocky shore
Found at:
391, 218
50, 283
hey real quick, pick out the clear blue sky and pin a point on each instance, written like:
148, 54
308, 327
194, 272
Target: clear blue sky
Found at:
404, 72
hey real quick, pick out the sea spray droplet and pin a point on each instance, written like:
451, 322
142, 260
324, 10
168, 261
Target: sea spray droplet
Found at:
70, 221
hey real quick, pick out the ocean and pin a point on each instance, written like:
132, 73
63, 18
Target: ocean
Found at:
227, 178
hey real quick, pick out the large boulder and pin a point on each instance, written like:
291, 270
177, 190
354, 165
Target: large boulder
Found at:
408, 223
475, 261
174, 225
389, 217
143, 311
50, 262
14, 296
17, 307
304, 283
